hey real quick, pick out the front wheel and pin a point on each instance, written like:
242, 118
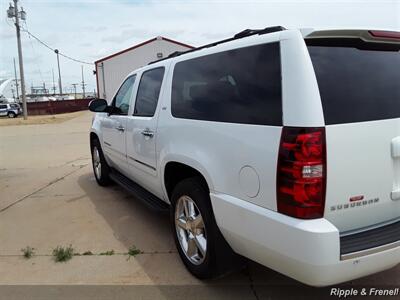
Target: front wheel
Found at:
11, 114
101, 169
198, 239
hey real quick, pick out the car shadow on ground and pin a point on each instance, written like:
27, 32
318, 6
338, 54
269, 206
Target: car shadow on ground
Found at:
133, 223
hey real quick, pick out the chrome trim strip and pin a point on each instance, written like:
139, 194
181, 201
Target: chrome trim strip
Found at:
110, 150
142, 163
369, 251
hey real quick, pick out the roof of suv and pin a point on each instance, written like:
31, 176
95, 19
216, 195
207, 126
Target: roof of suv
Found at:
240, 35
366, 35
369, 36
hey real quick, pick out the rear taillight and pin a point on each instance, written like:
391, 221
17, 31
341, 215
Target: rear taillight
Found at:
301, 172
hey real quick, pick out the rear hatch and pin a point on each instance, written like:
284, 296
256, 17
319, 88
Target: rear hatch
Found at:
358, 75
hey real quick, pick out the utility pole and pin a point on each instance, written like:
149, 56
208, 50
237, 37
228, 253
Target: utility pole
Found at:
74, 85
54, 85
13, 12
83, 84
59, 72
16, 80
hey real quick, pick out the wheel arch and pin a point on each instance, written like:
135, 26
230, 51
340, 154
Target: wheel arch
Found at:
93, 136
176, 170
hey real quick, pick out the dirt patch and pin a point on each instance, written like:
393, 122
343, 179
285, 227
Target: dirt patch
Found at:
41, 119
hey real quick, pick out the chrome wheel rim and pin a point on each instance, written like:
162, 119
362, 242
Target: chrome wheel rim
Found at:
190, 230
96, 162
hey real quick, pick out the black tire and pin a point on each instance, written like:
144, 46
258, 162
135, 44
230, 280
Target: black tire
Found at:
219, 258
11, 114
102, 177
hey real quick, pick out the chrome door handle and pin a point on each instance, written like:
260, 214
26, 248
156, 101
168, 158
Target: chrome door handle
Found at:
395, 195
120, 128
396, 147
148, 132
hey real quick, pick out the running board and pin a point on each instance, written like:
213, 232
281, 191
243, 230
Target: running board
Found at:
150, 200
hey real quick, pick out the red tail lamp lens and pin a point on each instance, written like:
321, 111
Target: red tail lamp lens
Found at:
385, 34
301, 177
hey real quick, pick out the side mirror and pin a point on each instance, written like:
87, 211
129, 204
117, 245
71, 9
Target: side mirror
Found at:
98, 105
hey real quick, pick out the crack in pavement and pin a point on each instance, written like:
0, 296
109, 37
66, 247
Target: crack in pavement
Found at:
41, 188
97, 254
252, 287
77, 159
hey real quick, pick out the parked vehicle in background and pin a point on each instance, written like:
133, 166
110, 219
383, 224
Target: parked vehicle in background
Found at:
277, 145
11, 110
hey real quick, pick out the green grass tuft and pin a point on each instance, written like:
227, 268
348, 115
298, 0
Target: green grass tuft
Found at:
133, 251
63, 254
28, 252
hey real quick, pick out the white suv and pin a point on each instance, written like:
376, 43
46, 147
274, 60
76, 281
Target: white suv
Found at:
11, 110
282, 146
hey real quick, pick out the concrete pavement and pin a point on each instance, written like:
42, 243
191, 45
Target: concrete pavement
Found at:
49, 197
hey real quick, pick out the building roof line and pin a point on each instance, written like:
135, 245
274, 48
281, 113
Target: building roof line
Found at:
142, 44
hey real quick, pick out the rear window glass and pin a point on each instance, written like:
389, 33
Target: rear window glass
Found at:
236, 86
357, 85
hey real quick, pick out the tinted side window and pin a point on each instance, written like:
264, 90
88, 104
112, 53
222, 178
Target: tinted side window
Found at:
122, 98
148, 92
3, 106
237, 86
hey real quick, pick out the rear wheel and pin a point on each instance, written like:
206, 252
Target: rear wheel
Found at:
11, 114
101, 169
198, 239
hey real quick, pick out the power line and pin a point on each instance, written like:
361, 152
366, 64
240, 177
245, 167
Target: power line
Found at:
52, 49
33, 49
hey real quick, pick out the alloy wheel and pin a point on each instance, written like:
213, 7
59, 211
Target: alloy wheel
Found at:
190, 230
96, 162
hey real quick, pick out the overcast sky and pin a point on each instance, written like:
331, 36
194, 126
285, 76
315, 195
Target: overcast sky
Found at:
88, 30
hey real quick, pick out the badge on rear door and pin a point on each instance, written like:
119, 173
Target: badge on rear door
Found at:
355, 201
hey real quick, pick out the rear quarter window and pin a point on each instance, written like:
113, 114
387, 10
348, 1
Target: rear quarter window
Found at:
357, 85
236, 86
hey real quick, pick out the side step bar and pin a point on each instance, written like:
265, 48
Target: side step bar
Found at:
150, 200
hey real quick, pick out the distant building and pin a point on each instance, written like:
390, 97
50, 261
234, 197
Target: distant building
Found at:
111, 70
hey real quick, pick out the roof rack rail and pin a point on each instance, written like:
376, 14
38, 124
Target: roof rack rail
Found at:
239, 35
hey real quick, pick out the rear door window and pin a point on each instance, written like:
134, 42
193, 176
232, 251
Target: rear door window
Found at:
237, 86
357, 84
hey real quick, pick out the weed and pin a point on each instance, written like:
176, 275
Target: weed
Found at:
63, 254
133, 251
110, 252
28, 252
87, 253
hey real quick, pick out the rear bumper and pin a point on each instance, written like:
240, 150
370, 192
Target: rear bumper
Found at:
306, 250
